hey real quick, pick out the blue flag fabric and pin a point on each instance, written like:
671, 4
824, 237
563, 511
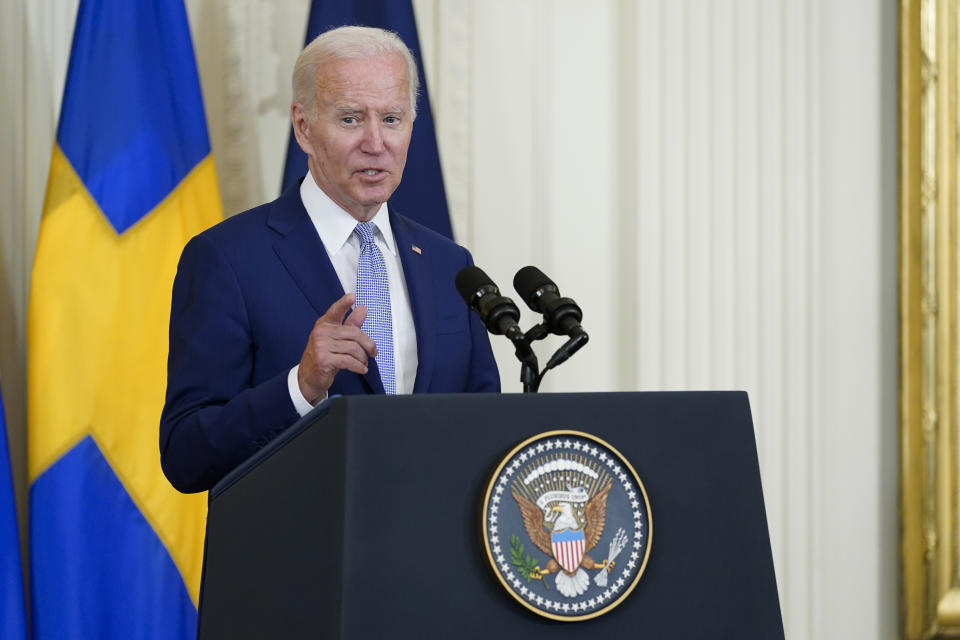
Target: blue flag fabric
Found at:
13, 623
421, 195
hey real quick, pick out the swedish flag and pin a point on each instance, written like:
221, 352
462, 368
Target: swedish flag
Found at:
115, 551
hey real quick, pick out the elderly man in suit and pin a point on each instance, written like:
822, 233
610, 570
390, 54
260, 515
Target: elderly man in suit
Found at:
326, 290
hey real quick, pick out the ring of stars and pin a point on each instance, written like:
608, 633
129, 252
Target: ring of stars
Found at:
627, 563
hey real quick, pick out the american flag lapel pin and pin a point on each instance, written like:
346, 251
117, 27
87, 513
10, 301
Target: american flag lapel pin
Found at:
416, 249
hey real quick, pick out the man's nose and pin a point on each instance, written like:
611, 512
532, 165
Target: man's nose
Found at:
372, 138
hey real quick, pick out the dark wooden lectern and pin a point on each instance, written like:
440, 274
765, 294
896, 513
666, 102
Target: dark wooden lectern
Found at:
362, 521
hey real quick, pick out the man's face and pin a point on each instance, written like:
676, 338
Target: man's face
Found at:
357, 144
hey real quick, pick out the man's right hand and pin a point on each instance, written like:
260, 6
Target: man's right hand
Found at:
334, 344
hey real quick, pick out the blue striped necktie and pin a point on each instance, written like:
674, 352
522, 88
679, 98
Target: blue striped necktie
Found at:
373, 291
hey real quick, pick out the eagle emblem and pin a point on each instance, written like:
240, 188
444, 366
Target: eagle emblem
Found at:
567, 512
566, 533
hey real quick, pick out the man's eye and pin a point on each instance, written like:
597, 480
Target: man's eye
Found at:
349, 120
391, 120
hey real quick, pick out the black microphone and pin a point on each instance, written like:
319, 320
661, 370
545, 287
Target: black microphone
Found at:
562, 316
499, 314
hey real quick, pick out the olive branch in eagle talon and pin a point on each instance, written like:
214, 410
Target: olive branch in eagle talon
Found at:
526, 566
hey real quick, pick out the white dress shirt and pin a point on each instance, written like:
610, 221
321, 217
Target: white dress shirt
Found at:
335, 228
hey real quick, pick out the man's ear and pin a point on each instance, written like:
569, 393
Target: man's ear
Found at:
301, 126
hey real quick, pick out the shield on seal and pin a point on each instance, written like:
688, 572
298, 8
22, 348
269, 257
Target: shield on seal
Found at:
568, 548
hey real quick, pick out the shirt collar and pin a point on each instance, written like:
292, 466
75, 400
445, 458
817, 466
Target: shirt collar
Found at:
334, 225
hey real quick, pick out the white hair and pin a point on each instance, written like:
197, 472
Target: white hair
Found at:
348, 43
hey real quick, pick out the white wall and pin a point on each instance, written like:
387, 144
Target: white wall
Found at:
714, 182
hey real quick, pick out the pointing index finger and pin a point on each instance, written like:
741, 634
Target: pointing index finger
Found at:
335, 314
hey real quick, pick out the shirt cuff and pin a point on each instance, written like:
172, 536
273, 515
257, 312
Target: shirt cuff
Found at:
300, 403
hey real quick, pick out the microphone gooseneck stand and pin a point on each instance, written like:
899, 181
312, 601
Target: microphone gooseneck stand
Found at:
500, 315
530, 375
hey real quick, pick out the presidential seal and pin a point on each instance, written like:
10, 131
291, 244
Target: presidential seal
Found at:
566, 525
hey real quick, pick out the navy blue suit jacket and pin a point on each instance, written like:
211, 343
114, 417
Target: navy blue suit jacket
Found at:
246, 296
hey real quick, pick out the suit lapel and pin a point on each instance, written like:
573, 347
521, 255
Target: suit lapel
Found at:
417, 273
301, 251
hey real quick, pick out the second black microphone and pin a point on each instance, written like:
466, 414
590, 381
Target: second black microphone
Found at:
499, 314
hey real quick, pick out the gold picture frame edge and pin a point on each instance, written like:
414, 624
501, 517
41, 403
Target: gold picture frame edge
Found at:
928, 268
